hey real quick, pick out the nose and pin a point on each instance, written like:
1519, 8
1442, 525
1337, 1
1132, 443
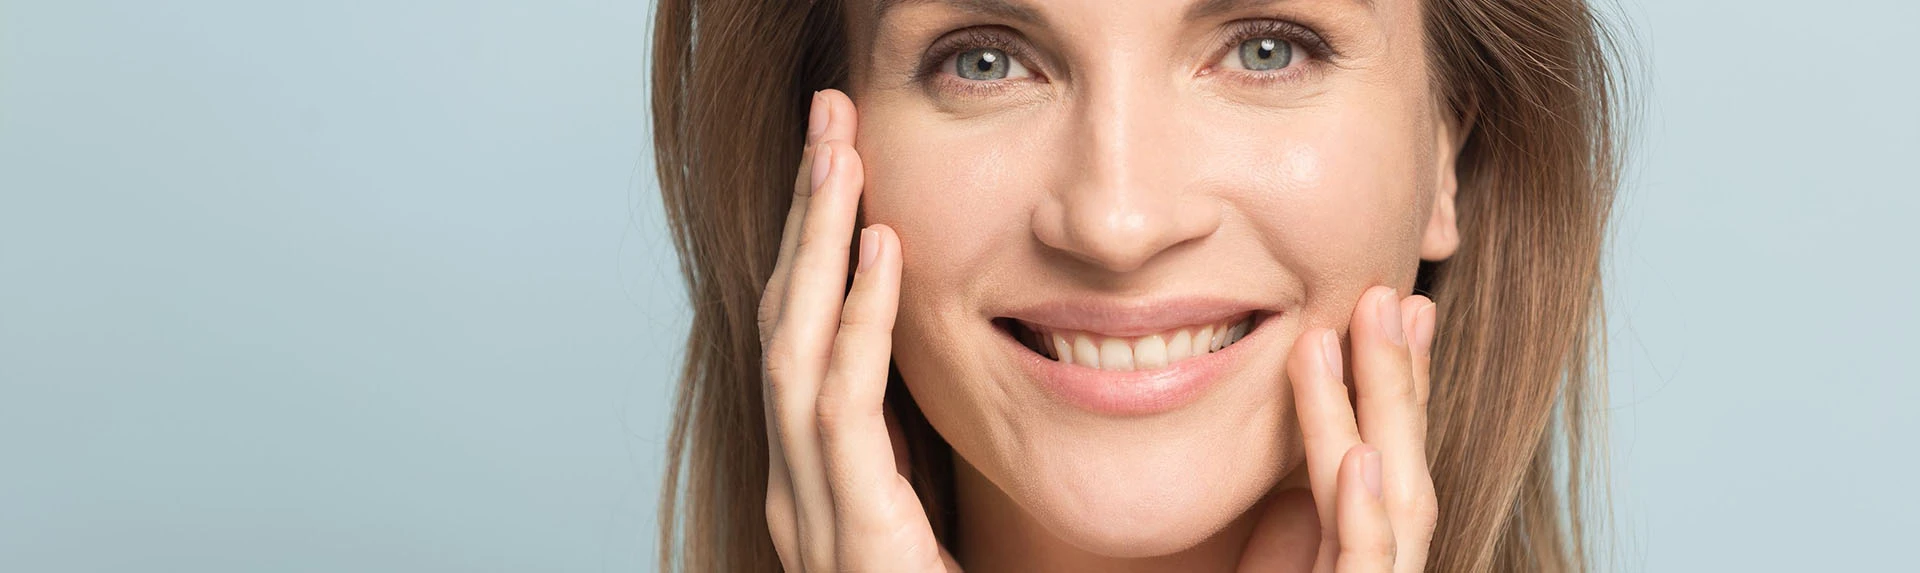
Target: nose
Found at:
1121, 197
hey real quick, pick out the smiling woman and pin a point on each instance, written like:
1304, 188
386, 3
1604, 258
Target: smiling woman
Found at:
1077, 285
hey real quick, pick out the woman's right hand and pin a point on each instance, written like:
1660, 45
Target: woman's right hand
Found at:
836, 500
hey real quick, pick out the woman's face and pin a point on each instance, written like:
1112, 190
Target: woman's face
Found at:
1117, 184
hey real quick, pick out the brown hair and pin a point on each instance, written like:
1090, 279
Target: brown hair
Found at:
1519, 334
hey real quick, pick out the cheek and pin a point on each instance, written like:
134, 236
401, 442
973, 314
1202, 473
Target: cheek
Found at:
959, 199
956, 201
1337, 199
961, 206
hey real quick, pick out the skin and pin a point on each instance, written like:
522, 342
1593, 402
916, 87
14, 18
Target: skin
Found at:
1134, 161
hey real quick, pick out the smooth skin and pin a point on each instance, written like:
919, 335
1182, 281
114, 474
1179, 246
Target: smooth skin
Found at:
837, 499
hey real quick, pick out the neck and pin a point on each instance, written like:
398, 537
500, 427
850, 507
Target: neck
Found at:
996, 535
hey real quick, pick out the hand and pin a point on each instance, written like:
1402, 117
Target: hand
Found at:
836, 500
1371, 489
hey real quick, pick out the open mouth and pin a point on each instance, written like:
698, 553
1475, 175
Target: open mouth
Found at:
1129, 353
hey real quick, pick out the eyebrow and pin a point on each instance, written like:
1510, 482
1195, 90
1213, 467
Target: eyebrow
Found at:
1022, 12
1218, 7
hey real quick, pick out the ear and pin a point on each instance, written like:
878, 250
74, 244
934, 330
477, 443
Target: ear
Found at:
1442, 236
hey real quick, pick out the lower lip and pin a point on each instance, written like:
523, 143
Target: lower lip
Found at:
1133, 393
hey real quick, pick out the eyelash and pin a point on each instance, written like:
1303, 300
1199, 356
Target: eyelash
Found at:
1000, 38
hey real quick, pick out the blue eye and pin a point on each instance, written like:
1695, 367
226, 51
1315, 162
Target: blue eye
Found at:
981, 64
1264, 54
986, 65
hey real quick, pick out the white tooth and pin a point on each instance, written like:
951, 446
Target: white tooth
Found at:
1239, 331
1219, 337
1084, 352
1062, 351
1203, 341
1150, 353
1115, 355
1180, 347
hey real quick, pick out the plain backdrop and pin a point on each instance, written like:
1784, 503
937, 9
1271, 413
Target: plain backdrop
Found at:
384, 286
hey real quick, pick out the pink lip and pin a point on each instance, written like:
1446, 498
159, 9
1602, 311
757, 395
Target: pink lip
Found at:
1134, 393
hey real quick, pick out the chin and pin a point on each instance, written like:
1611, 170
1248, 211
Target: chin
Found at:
1148, 504
1138, 486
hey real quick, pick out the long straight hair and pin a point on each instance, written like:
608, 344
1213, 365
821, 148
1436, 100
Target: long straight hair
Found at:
1515, 428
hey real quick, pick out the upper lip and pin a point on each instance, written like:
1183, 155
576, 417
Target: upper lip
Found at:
1131, 317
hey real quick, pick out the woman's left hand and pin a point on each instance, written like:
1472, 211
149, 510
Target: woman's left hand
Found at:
1371, 507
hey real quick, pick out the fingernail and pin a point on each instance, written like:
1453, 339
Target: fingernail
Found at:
1330, 352
1423, 329
1390, 318
1370, 471
818, 114
822, 164
869, 248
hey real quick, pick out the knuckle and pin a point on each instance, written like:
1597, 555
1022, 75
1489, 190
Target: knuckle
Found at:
1425, 508
776, 361
857, 319
768, 314
1426, 514
1398, 389
1328, 434
1380, 545
1313, 433
779, 509
830, 415
835, 413
802, 243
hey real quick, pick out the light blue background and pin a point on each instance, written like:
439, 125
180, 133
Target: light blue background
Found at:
383, 286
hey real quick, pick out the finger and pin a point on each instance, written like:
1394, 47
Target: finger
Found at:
879, 523
1387, 404
845, 119
1420, 346
819, 114
815, 290
1409, 310
802, 340
1326, 421
1387, 407
782, 514
854, 440
1366, 532
830, 117
1419, 510
1390, 410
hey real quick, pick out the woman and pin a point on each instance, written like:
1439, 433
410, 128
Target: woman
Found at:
1133, 289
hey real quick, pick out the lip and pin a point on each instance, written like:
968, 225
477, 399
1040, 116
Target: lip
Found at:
1134, 393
